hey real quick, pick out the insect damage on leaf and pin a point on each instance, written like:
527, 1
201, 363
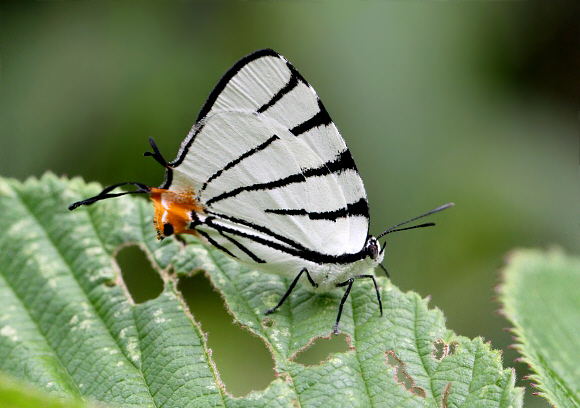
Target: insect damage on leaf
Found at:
140, 280
401, 376
321, 349
443, 349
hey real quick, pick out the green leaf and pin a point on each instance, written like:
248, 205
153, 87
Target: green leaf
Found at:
540, 296
69, 326
16, 394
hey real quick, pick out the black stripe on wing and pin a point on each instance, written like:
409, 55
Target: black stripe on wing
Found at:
213, 96
215, 243
319, 119
241, 247
360, 208
304, 253
223, 82
255, 227
295, 79
238, 160
292, 83
340, 163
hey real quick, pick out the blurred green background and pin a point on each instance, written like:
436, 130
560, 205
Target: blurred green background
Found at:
470, 103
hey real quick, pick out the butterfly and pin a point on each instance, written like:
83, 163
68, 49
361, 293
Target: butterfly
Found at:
265, 176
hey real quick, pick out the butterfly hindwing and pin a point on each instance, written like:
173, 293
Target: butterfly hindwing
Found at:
270, 168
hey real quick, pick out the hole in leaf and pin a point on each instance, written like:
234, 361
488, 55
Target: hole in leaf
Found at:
242, 359
320, 349
443, 349
439, 351
401, 375
141, 279
452, 348
268, 323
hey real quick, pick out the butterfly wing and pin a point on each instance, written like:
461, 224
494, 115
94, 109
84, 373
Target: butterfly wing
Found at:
276, 180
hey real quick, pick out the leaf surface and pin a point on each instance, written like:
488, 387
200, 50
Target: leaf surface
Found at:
69, 326
16, 394
540, 296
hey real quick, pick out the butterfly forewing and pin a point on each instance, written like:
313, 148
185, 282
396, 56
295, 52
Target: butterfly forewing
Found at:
275, 177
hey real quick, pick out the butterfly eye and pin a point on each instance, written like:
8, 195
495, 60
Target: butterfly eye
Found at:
373, 247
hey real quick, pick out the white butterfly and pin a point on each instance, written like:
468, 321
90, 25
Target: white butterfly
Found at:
265, 176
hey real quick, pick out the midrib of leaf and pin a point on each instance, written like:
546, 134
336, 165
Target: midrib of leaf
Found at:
475, 362
154, 377
557, 378
133, 309
139, 369
101, 241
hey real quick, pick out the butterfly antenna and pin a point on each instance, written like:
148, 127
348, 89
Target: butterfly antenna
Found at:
156, 154
106, 193
396, 228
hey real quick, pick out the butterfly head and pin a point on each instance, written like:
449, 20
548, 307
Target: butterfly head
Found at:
373, 249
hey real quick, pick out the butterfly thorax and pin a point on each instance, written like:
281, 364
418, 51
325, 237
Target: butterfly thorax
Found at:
173, 211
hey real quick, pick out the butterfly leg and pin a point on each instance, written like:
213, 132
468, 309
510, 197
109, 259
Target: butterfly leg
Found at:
348, 285
385, 269
292, 285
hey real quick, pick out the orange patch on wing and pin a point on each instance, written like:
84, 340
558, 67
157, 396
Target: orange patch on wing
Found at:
176, 212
